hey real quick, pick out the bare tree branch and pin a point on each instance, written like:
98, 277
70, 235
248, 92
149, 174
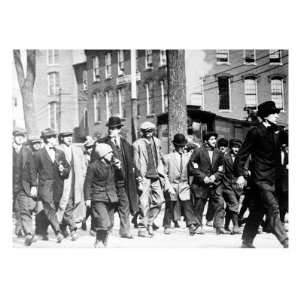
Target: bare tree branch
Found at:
19, 67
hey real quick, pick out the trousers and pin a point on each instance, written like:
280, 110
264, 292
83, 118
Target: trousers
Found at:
103, 215
267, 204
123, 211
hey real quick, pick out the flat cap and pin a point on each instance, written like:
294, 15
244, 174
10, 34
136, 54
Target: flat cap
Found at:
147, 126
19, 131
48, 132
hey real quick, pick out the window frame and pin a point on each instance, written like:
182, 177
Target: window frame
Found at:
148, 65
96, 68
245, 95
282, 91
229, 95
272, 51
254, 55
54, 103
161, 64
55, 62
96, 104
223, 62
56, 83
108, 68
121, 63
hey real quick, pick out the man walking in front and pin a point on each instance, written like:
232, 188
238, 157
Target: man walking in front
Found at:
263, 143
206, 167
126, 184
148, 161
24, 183
52, 169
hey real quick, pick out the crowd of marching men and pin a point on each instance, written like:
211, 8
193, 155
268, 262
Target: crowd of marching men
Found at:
62, 184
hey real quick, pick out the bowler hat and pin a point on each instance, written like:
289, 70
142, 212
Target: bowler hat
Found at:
48, 132
35, 141
146, 126
235, 142
222, 142
19, 131
267, 108
179, 140
208, 134
114, 122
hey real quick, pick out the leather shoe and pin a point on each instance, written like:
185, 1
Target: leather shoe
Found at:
150, 230
176, 224
236, 230
144, 233
220, 230
59, 237
83, 226
167, 230
155, 227
98, 244
199, 230
209, 223
247, 245
74, 235
29, 239
127, 236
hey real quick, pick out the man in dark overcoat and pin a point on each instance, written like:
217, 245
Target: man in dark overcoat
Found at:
263, 143
52, 168
206, 167
126, 185
24, 183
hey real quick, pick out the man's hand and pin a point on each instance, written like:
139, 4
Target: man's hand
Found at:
212, 178
139, 179
241, 181
60, 168
88, 203
33, 192
206, 180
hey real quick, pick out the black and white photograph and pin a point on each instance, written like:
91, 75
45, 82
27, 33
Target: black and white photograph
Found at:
150, 148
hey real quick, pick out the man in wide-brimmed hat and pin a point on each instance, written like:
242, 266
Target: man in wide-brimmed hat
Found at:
126, 184
206, 167
263, 144
176, 168
24, 184
53, 169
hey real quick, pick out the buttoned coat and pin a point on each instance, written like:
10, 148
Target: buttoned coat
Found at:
78, 171
177, 172
50, 180
200, 166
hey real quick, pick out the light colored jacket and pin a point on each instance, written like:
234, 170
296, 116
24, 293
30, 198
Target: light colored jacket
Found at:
79, 172
178, 179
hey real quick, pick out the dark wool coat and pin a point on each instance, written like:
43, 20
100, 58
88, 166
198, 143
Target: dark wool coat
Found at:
51, 181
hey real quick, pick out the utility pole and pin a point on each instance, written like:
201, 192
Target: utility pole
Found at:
177, 106
133, 95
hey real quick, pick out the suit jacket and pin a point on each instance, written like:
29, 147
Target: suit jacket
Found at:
99, 184
51, 181
200, 166
264, 146
28, 171
129, 170
177, 172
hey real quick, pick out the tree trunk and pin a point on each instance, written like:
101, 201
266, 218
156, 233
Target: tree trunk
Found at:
26, 85
177, 94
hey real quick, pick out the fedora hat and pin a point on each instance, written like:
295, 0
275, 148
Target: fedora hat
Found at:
19, 131
179, 140
48, 132
267, 108
208, 134
114, 122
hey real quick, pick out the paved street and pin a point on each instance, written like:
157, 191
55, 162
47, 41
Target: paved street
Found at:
179, 238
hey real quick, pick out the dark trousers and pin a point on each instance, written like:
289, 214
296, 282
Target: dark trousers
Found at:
103, 215
265, 202
210, 212
50, 213
187, 210
283, 199
231, 199
123, 211
68, 219
87, 214
26, 206
218, 206
16, 211
41, 222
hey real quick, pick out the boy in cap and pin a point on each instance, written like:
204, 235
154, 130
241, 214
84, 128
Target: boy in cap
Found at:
24, 184
100, 191
263, 144
206, 167
148, 161
52, 168
176, 168
230, 191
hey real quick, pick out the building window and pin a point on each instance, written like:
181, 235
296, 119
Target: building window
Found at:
224, 92
120, 62
197, 97
148, 59
96, 68
53, 115
163, 58
84, 81
121, 102
85, 119
97, 109
250, 87
109, 104
249, 56
150, 98
275, 56
108, 65
53, 83
164, 97
277, 92
222, 56
52, 57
